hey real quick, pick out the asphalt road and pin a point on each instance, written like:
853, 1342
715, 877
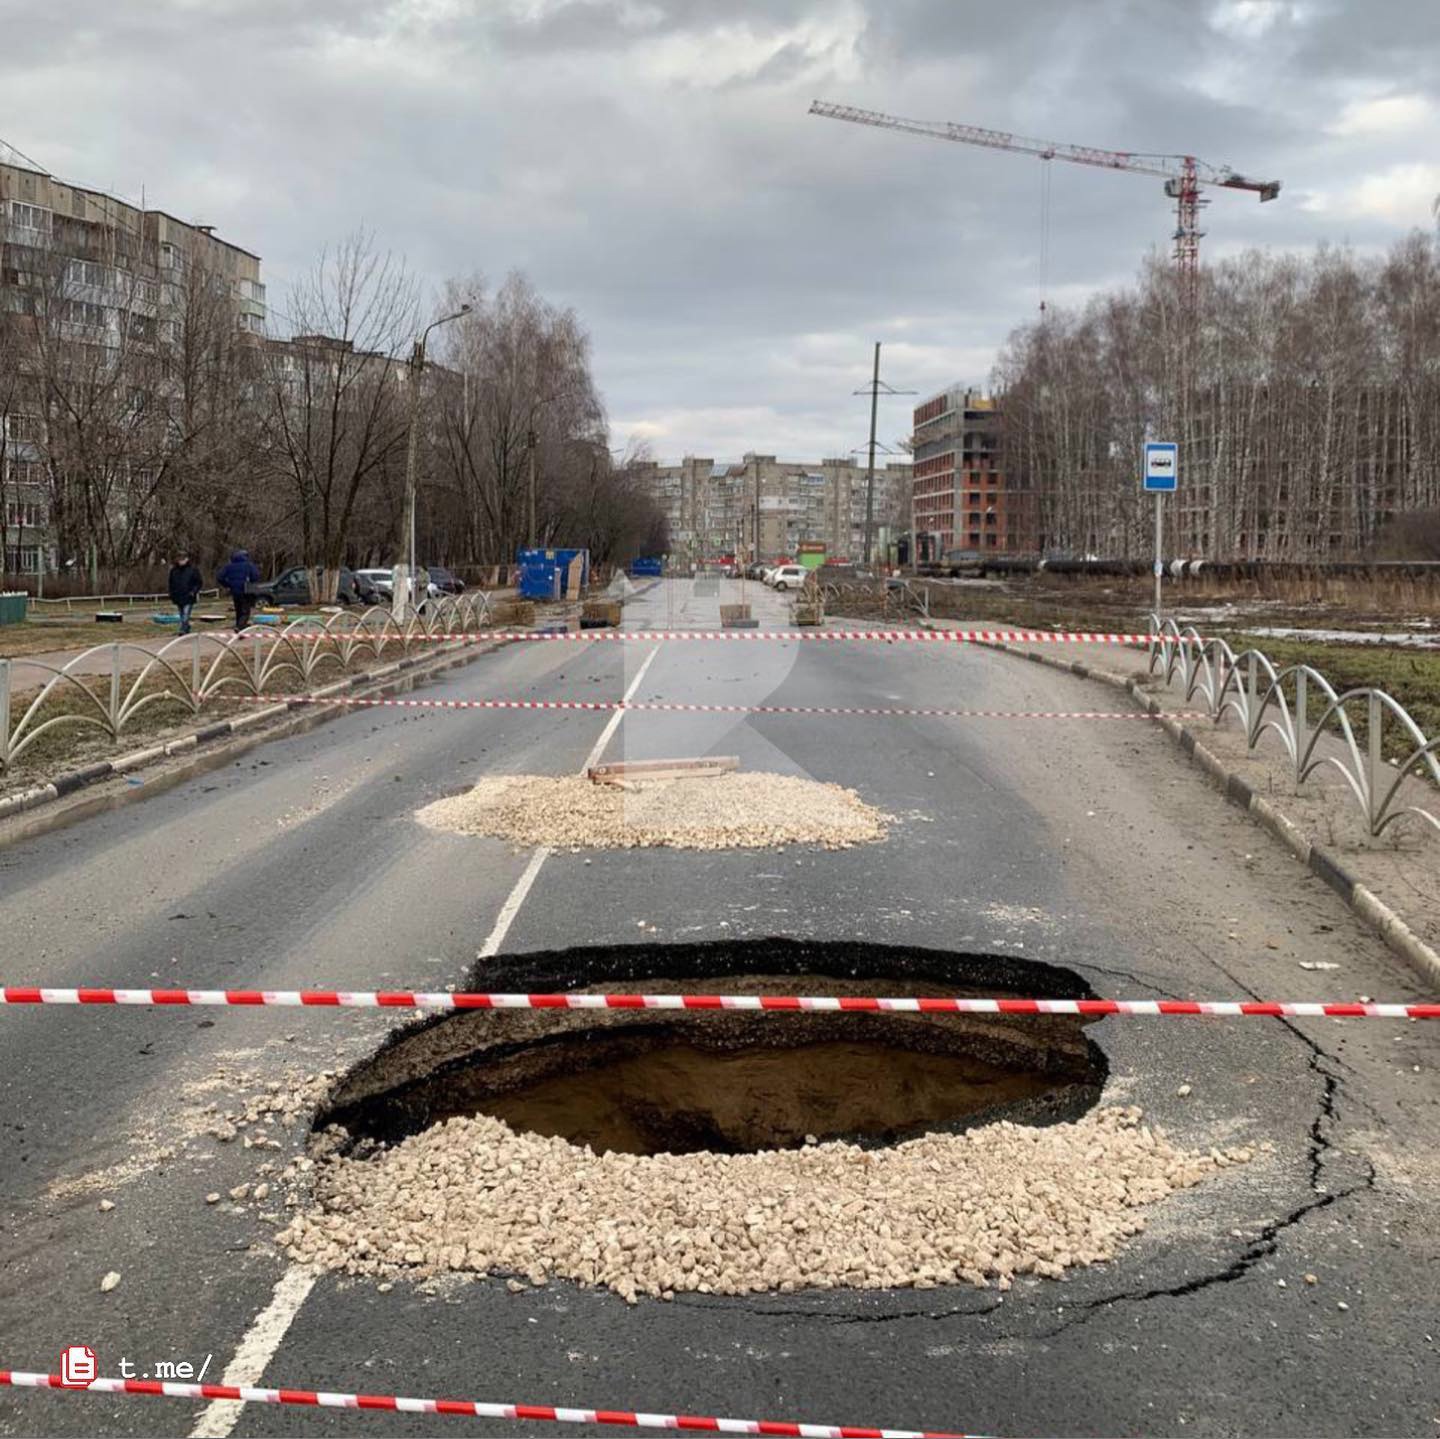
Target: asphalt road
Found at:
1087, 844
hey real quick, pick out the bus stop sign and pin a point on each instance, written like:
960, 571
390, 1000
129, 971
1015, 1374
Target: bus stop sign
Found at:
1161, 466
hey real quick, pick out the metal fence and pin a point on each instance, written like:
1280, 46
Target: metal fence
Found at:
190, 670
1318, 727
70, 603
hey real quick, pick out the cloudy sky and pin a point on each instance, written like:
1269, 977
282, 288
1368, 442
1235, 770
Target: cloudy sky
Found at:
651, 162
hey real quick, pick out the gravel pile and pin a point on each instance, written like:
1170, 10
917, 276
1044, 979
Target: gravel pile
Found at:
731, 811
473, 1195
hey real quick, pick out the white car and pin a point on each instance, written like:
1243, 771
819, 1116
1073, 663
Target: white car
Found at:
384, 582
789, 577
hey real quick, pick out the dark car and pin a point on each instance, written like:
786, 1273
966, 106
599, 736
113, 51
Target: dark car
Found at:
292, 587
446, 581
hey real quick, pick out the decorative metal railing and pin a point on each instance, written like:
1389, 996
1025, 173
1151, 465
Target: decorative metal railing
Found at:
1365, 734
192, 669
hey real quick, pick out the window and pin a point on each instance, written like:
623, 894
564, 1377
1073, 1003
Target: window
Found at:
31, 217
24, 514
83, 312
24, 429
23, 559
84, 272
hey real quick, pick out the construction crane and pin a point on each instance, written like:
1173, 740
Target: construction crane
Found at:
1183, 174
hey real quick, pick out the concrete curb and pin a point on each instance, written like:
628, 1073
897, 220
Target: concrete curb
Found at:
386, 677
1361, 901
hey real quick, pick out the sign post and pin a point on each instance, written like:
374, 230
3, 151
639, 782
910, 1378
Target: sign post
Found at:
1160, 478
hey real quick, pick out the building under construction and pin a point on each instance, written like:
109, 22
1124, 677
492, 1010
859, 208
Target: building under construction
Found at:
962, 498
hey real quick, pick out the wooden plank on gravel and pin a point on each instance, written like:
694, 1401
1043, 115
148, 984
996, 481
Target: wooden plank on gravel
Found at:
620, 772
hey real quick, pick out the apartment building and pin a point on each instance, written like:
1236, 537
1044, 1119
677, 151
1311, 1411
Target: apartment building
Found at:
91, 286
960, 495
773, 505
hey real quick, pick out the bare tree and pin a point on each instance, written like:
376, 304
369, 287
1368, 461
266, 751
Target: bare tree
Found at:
1305, 399
525, 397
333, 425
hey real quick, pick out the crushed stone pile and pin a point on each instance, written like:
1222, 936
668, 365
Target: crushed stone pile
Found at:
472, 1195
730, 811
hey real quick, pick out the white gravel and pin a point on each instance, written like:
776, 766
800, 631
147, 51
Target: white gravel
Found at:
472, 1195
731, 811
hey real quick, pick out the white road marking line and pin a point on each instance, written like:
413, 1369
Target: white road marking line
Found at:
511, 907
614, 722
524, 884
256, 1351
269, 1327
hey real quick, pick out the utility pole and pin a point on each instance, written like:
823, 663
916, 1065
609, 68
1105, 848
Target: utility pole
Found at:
405, 589
873, 390
870, 472
757, 507
530, 446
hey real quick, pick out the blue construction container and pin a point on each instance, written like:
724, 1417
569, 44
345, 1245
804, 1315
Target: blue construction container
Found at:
542, 572
648, 567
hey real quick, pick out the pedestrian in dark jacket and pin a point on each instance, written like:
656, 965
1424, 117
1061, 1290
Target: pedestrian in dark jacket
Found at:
184, 589
237, 577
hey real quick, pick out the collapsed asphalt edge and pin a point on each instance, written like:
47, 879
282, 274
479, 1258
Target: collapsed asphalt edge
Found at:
409, 668
1359, 898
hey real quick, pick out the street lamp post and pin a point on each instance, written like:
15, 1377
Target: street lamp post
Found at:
406, 584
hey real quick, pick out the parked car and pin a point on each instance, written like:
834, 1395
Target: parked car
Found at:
755, 571
384, 583
788, 577
292, 587
445, 582
381, 581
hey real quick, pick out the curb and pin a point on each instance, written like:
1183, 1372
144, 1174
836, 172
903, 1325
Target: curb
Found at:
409, 668
1361, 901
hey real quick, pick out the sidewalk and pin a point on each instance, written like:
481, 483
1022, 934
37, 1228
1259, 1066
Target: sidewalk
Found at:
1401, 867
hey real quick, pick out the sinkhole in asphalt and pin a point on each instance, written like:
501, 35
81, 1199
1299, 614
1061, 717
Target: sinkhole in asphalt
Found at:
727, 1082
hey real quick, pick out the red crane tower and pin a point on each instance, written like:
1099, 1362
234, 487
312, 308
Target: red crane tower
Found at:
1183, 174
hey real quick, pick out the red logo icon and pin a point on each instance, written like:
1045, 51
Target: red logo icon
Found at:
77, 1367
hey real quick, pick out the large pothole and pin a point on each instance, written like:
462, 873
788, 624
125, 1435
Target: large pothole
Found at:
731, 1151
652, 1082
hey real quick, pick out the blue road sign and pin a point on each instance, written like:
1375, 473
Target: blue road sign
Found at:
1161, 465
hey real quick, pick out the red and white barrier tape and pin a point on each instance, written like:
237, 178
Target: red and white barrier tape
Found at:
668, 707
983, 637
464, 1408
775, 1003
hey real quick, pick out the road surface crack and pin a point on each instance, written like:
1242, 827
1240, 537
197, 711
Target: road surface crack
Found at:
1267, 1243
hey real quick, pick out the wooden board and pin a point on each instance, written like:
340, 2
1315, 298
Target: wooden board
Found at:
622, 772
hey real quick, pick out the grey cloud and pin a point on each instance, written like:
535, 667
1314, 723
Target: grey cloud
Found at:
648, 169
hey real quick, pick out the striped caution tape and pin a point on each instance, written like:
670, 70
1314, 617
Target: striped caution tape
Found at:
771, 1003
964, 637
464, 1408
677, 707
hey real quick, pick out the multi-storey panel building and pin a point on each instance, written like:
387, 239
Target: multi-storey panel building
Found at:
94, 292
765, 504
961, 497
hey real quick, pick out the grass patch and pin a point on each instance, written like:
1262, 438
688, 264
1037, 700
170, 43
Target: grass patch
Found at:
1410, 676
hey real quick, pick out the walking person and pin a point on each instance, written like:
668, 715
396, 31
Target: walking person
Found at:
184, 589
237, 577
